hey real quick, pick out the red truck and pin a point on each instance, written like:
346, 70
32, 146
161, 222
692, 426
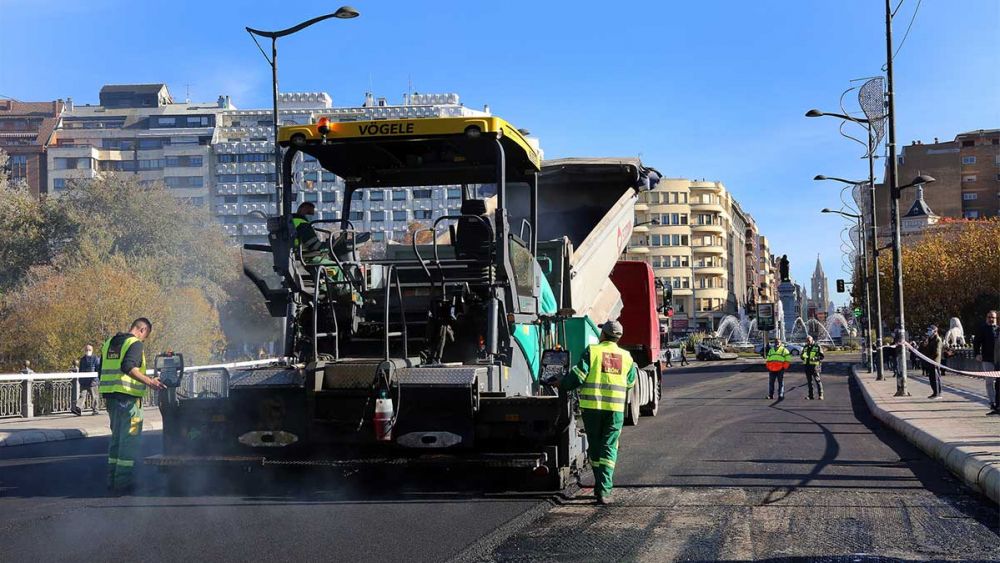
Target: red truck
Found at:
640, 321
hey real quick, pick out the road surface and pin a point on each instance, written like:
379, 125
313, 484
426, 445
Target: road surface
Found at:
721, 473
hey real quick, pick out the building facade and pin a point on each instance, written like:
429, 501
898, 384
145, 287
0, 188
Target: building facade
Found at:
26, 130
244, 168
966, 172
137, 129
698, 246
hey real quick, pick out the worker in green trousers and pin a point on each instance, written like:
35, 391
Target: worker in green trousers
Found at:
603, 376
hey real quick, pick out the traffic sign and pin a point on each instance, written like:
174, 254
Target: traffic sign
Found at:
765, 316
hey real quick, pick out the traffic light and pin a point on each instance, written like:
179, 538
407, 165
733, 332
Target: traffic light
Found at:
840, 286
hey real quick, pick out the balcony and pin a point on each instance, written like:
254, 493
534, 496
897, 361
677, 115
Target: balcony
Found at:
637, 250
710, 249
708, 228
711, 270
698, 205
641, 207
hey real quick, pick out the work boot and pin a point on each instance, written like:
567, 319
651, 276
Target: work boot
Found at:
76, 410
604, 500
821, 397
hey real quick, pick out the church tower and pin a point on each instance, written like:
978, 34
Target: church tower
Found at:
820, 294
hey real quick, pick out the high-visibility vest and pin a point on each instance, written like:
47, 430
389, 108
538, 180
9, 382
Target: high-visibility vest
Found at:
778, 359
112, 378
810, 354
607, 381
296, 223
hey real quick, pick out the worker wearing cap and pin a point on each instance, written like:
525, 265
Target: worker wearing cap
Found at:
123, 384
812, 356
777, 358
603, 376
305, 234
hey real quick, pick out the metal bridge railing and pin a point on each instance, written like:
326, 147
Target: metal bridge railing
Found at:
40, 394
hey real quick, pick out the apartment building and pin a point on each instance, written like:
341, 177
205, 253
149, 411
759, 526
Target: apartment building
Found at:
967, 174
698, 246
244, 168
26, 129
137, 129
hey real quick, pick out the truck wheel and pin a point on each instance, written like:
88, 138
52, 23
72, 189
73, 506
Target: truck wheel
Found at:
653, 406
632, 406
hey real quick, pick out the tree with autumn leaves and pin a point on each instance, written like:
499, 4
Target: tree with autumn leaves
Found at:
83, 265
950, 270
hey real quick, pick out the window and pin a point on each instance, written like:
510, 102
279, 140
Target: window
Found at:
18, 165
257, 177
675, 240
421, 194
376, 195
357, 216
184, 181
183, 161
378, 237
150, 144
166, 121
968, 179
422, 214
59, 183
398, 195
151, 164
654, 240
971, 214
329, 177
675, 218
230, 199
399, 215
970, 196
684, 218
968, 144
377, 216
310, 196
968, 159
523, 265
225, 178
454, 193
329, 197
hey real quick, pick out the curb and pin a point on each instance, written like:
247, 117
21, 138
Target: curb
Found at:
980, 475
26, 437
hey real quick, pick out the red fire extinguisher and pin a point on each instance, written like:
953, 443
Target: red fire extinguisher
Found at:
383, 418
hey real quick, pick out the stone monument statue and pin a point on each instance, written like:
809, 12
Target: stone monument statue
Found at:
783, 268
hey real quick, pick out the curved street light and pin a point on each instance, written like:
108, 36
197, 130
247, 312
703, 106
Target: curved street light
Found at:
344, 13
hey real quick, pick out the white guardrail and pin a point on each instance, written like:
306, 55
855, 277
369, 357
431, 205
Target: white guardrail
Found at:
39, 394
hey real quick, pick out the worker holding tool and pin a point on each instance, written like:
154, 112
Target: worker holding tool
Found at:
123, 383
603, 376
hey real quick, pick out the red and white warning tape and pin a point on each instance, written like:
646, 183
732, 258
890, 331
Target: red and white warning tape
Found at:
988, 374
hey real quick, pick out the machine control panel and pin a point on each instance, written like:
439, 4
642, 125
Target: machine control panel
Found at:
169, 368
555, 365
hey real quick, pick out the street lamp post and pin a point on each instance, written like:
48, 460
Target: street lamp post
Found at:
344, 12
864, 277
873, 237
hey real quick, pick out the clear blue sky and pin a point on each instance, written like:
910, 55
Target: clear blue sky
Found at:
710, 89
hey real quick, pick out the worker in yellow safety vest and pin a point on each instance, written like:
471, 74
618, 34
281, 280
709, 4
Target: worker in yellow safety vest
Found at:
777, 359
123, 383
812, 359
305, 234
603, 376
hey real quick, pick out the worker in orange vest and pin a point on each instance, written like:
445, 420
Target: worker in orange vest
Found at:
777, 358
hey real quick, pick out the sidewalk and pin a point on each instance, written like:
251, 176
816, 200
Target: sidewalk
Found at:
23, 431
953, 430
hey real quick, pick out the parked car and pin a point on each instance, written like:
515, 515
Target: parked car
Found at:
793, 349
